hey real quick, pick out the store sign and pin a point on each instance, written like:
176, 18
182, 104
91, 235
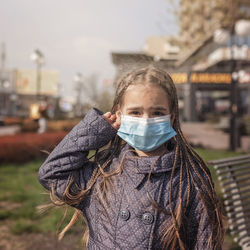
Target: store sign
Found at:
179, 78
208, 78
221, 78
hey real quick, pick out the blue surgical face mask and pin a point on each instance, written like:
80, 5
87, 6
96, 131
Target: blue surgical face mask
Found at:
146, 134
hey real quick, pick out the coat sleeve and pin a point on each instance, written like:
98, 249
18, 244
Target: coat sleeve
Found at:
69, 158
200, 227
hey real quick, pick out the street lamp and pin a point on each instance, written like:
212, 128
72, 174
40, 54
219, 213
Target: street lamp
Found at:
241, 28
38, 57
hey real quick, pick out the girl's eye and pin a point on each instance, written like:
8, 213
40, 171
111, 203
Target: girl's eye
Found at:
134, 113
158, 113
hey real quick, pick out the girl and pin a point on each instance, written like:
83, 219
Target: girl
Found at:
146, 187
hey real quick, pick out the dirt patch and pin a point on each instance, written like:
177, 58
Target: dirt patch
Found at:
38, 241
8, 206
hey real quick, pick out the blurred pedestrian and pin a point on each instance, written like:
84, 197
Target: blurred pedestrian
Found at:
43, 116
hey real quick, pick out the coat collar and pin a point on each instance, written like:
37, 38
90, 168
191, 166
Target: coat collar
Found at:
138, 167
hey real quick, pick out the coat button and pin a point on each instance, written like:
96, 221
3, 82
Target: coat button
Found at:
147, 218
125, 214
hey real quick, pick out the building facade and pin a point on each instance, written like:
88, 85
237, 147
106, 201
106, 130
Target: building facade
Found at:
19, 90
198, 19
8, 97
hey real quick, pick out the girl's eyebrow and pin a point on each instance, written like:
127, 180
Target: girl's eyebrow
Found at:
132, 108
158, 108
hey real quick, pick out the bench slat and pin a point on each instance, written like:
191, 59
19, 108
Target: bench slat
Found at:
234, 178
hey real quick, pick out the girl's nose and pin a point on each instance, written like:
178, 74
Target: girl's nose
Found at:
146, 115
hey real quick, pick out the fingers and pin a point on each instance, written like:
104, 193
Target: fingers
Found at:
107, 115
113, 120
113, 117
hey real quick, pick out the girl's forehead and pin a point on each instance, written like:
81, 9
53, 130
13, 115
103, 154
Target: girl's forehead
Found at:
145, 94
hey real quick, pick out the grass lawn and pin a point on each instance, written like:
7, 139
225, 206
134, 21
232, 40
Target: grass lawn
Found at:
208, 155
21, 193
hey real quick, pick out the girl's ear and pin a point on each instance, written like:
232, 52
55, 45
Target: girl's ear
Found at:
118, 113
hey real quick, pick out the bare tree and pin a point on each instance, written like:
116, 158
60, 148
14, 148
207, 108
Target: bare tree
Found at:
93, 94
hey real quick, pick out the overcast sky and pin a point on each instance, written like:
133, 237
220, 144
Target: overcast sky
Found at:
78, 35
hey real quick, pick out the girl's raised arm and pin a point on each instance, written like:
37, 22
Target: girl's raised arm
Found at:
70, 155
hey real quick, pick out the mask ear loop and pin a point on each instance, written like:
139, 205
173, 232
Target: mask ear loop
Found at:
120, 110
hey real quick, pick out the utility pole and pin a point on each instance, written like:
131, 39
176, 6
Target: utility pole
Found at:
3, 99
3, 57
234, 90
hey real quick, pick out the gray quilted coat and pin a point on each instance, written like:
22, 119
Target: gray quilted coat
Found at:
127, 220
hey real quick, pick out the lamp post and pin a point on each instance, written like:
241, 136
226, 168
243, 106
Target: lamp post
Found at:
241, 28
234, 93
38, 57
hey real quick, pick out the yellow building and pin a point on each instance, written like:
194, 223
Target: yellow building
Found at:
31, 91
26, 82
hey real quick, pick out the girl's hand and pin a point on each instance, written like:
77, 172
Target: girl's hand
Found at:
113, 120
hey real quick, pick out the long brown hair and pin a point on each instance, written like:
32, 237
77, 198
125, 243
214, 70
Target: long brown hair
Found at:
192, 170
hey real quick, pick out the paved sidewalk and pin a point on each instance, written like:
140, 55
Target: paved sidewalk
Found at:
9, 130
206, 135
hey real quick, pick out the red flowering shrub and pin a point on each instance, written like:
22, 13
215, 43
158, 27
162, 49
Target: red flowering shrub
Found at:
12, 121
28, 146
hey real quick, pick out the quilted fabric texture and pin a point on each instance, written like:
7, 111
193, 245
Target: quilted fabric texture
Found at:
126, 219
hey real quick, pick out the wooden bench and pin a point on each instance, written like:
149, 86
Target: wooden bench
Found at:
234, 178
